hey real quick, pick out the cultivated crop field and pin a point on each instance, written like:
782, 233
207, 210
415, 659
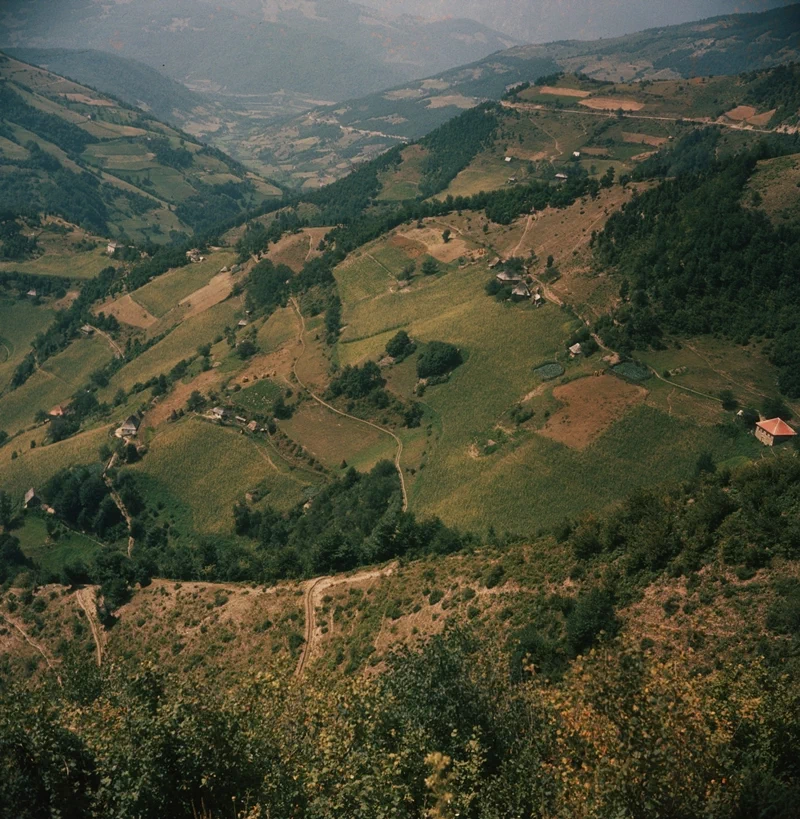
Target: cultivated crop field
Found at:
164, 292
20, 321
53, 383
33, 467
181, 343
208, 468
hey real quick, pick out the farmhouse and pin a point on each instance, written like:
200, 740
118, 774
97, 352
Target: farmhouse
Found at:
521, 291
130, 427
774, 431
561, 177
219, 412
32, 293
242, 323
87, 330
506, 277
57, 412
576, 154
32, 500
575, 350
508, 159
253, 426
493, 264
112, 248
537, 299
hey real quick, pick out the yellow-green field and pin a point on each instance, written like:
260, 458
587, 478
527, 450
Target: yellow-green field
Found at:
34, 466
63, 262
165, 292
52, 555
181, 343
20, 321
208, 468
54, 383
530, 480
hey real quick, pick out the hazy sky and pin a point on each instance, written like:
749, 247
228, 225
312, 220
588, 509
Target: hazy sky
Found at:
543, 20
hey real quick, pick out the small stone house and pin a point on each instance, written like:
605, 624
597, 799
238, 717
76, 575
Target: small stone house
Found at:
129, 427
774, 431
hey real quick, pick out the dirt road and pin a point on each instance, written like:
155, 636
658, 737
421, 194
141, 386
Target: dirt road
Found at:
314, 589
87, 600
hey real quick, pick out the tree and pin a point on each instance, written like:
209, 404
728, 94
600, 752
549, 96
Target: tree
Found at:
400, 346
246, 348
728, 399
446, 233
196, 401
430, 267
6, 509
438, 358
775, 408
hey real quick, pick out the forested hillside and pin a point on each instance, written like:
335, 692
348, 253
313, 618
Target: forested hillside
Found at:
116, 171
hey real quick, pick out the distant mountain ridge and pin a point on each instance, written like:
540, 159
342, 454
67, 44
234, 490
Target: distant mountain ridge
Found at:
333, 52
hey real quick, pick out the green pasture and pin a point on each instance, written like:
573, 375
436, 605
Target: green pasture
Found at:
53, 555
20, 321
63, 262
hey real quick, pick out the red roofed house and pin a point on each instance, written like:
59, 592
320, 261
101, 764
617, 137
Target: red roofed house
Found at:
774, 431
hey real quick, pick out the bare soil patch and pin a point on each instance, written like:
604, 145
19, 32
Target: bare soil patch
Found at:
128, 311
563, 92
611, 104
411, 247
762, 120
67, 301
431, 239
644, 139
595, 151
89, 100
741, 113
592, 405
291, 250
178, 397
217, 290
455, 100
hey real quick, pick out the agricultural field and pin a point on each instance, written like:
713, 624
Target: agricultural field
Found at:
403, 182
53, 383
20, 321
165, 292
478, 467
32, 467
180, 343
60, 259
207, 468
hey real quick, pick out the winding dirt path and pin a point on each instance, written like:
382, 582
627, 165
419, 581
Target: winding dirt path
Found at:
311, 599
328, 406
87, 600
120, 504
528, 225
113, 344
31, 642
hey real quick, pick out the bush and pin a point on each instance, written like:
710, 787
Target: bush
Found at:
400, 346
593, 613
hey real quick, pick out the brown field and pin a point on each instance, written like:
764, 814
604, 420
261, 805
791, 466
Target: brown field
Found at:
592, 405
431, 239
178, 397
762, 120
455, 100
595, 151
563, 92
291, 250
330, 437
741, 113
128, 311
644, 139
411, 247
217, 290
611, 104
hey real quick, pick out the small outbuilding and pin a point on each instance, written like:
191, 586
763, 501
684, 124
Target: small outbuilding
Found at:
253, 426
242, 323
774, 431
508, 159
57, 412
87, 330
220, 412
112, 248
521, 291
561, 177
575, 350
32, 500
32, 293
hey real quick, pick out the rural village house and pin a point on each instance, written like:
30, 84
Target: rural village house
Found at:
575, 350
219, 412
505, 277
774, 431
31, 499
129, 427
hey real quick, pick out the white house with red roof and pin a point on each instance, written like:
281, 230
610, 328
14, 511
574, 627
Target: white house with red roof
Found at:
774, 431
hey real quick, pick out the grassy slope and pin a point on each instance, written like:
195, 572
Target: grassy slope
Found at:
20, 321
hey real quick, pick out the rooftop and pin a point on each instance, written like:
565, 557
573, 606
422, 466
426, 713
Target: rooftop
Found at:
777, 427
